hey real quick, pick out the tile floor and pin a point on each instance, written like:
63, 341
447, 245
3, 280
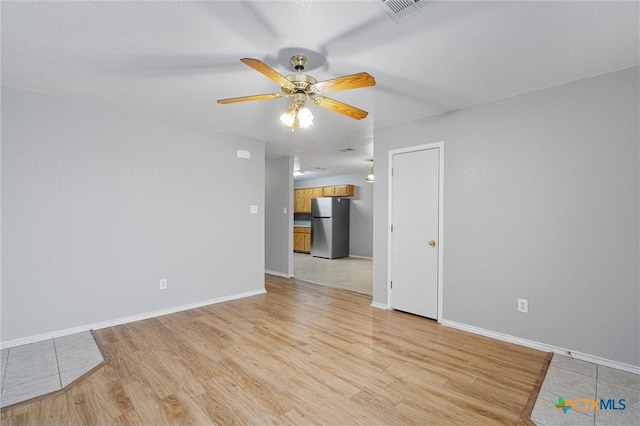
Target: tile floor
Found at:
348, 273
572, 379
39, 368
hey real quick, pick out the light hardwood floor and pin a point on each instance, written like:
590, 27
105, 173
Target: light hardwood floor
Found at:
300, 354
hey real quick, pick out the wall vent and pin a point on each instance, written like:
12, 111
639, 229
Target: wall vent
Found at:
400, 9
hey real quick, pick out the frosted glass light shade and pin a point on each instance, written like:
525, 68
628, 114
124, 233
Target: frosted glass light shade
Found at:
297, 116
289, 116
305, 117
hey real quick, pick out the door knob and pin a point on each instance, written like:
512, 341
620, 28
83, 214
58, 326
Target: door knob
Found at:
432, 243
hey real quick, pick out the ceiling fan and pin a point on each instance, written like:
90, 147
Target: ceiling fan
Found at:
301, 86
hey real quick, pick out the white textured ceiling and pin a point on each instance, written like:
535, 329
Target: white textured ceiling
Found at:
172, 60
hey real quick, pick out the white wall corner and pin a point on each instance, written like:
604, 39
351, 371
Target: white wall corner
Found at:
380, 305
278, 274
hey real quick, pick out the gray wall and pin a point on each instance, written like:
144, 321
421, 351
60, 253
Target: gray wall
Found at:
99, 205
278, 224
541, 198
361, 210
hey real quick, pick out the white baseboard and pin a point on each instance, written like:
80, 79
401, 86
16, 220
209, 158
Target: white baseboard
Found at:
278, 274
125, 320
379, 306
543, 346
361, 257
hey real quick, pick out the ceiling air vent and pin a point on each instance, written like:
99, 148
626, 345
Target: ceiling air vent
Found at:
400, 9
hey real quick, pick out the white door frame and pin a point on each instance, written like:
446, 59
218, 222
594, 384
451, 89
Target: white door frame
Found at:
392, 152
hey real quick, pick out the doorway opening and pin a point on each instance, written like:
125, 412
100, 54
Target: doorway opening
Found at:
333, 232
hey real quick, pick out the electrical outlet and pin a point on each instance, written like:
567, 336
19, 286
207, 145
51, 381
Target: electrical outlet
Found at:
523, 305
163, 284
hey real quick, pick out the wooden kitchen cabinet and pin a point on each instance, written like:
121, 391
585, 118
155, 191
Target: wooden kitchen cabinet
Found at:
298, 201
328, 191
344, 191
339, 191
307, 242
302, 239
306, 200
317, 192
302, 197
302, 200
298, 242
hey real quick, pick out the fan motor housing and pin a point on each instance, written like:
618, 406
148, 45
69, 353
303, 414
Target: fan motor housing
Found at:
301, 84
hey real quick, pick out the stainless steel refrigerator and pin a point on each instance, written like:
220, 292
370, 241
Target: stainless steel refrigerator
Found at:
330, 227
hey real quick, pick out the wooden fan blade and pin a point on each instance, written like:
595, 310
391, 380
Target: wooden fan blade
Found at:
249, 98
340, 107
353, 81
265, 69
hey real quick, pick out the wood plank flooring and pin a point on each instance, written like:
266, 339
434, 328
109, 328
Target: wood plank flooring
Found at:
299, 354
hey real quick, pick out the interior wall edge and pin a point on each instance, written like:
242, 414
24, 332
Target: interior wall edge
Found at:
278, 274
379, 305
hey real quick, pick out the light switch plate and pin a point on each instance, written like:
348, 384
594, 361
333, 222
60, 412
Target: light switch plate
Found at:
253, 209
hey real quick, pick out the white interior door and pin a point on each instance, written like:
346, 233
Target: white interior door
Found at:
414, 213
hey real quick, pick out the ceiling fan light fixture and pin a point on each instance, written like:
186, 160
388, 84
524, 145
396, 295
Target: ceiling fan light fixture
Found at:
300, 87
297, 116
288, 118
370, 177
305, 117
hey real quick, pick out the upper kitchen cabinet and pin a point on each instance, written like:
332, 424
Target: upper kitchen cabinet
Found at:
302, 200
317, 192
339, 191
306, 200
298, 201
302, 197
344, 191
